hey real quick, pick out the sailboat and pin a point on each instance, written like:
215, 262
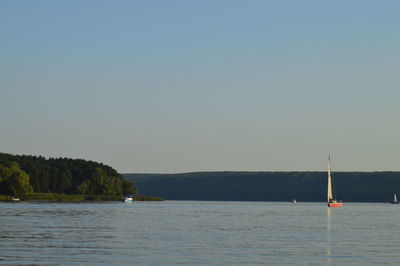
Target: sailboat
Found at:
332, 202
395, 200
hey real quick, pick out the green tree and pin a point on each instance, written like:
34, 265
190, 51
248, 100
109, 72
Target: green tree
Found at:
128, 187
84, 188
13, 180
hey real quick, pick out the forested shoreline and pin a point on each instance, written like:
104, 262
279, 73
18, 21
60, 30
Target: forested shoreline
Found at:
65, 179
35, 177
270, 186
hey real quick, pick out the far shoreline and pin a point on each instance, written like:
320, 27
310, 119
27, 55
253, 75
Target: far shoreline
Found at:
55, 197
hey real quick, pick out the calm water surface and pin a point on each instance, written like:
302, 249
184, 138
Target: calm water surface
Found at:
193, 232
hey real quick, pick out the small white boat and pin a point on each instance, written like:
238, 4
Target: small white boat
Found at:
294, 201
395, 199
14, 199
128, 199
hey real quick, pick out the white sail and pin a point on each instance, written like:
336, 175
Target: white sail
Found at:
395, 198
332, 202
330, 196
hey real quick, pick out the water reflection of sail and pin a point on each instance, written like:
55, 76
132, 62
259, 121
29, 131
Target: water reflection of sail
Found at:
328, 237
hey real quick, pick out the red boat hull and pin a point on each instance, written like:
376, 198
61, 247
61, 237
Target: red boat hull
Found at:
335, 204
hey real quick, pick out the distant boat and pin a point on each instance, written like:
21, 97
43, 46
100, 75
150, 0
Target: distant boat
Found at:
128, 199
395, 200
294, 201
14, 199
332, 202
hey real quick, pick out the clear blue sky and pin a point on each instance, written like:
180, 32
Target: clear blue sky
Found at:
175, 86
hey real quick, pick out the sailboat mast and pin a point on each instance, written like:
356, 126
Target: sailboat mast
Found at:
330, 197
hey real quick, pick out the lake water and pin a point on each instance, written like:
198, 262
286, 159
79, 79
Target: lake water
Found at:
194, 232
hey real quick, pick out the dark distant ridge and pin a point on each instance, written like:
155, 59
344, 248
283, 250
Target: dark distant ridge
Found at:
269, 186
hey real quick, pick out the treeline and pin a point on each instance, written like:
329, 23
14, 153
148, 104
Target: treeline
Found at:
269, 186
25, 174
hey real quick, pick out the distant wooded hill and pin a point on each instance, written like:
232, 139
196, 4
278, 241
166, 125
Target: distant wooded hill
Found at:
269, 186
25, 174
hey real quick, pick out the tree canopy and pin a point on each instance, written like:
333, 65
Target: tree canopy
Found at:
23, 174
13, 180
